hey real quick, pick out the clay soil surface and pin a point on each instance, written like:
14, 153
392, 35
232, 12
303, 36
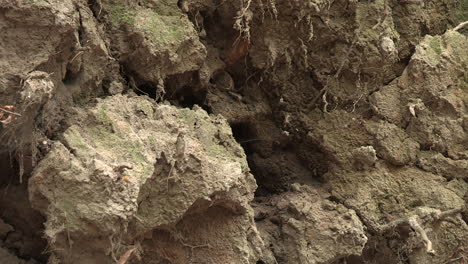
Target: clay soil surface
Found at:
245, 131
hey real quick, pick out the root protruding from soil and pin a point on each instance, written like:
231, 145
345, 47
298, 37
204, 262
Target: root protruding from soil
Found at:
426, 216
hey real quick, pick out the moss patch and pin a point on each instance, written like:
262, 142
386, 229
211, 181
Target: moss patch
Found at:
126, 148
163, 29
456, 43
122, 15
100, 137
434, 43
103, 117
74, 139
429, 50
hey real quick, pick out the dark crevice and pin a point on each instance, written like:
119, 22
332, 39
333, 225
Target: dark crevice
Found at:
81, 31
316, 83
269, 162
96, 8
186, 97
425, 147
178, 89
25, 240
8, 168
183, 90
146, 88
245, 135
106, 86
139, 86
406, 60
70, 77
334, 199
387, 82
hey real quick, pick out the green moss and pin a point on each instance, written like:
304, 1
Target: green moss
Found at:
435, 45
167, 29
429, 50
75, 140
110, 141
167, 8
103, 117
103, 138
163, 28
456, 43
122, 15
165, 24
125, 147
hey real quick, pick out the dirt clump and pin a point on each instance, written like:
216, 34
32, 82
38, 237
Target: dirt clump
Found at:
145, 195
298, 227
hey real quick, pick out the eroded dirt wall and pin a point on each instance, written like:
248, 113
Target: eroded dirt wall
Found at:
206, 131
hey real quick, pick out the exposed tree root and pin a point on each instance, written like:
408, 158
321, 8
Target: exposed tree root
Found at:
460, 26
426, 216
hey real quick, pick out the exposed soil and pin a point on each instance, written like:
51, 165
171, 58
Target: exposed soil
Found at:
209, 131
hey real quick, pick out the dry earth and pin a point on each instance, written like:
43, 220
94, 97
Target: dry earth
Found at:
246, 131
